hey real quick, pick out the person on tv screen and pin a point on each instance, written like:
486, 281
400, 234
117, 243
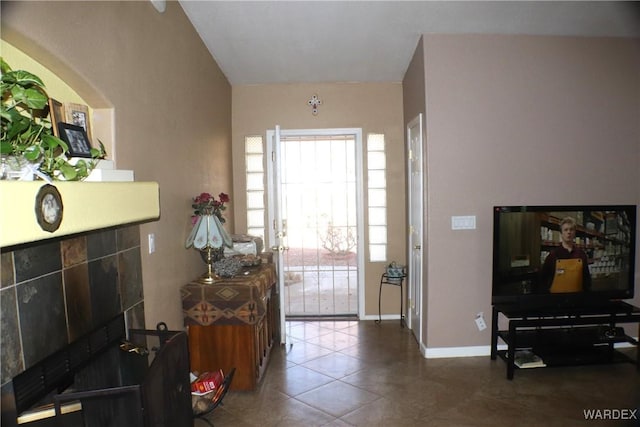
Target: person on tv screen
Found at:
566, 268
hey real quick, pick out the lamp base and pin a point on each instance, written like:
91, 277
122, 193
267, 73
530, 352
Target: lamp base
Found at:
209, 256
207, 279
216, 254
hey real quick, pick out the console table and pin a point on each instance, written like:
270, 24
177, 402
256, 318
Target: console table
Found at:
233, 323
567, 336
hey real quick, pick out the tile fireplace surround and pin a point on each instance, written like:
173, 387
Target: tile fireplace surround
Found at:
54, 291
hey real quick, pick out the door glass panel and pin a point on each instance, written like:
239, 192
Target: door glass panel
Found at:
255, 199
255, 181
254, 163
377, 197
377, 216
377, 234
319, 205
378, 252
254, 170
377, 179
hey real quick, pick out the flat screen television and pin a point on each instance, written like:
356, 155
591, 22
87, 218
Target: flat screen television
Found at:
533, 268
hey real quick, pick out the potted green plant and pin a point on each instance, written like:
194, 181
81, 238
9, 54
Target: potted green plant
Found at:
26, 137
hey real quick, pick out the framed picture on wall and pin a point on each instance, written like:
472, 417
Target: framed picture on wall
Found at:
56, 114
49, 208
76, 139
78, 114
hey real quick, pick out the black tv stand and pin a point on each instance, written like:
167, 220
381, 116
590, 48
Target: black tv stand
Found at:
564, 335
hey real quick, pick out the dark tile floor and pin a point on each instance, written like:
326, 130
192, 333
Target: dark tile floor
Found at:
336, 373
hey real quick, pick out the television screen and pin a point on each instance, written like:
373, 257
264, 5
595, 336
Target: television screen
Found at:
563, 255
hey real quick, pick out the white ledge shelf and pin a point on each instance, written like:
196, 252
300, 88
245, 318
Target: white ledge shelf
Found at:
86, 206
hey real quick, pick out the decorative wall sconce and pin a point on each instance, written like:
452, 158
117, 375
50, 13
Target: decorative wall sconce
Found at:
314, 102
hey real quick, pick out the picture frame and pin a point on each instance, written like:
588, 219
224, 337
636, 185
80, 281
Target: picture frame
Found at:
76, 139
78, 114
49, 208
56, 114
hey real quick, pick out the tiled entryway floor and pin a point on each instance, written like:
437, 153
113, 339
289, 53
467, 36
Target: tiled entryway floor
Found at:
352, 373
321, 292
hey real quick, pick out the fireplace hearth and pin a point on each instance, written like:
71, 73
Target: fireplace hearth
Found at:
106, 379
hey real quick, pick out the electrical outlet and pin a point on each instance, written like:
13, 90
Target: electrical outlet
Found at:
480, 323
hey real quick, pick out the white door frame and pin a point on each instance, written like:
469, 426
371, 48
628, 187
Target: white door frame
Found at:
415, 244
274, 203
275, 228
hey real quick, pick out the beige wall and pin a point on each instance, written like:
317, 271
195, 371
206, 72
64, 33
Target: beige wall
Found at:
518, 120
172, 109
376, 108
413, 86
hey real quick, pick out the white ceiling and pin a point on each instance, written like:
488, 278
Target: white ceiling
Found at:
262, 42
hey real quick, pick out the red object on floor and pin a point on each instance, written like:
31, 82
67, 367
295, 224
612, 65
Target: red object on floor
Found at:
207, 382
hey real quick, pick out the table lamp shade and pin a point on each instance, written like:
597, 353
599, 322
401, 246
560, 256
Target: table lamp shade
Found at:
208, 232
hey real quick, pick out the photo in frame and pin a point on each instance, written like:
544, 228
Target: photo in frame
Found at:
78, 114
76, 139
56, 114
49, 208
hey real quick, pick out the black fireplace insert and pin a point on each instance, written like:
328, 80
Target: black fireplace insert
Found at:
105, 379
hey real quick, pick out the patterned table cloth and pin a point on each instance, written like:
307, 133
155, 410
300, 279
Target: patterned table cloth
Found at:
231, 301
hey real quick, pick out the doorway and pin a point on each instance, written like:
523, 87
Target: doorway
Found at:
416, 202
319, 213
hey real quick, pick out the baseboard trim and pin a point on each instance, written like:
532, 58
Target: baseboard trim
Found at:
471, 351
475, 351
383, 317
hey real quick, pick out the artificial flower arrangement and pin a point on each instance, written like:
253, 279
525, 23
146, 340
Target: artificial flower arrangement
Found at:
206, 204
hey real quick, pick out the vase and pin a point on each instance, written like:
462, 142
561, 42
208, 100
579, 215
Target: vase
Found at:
16, 168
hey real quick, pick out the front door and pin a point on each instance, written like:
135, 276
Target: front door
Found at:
315, 204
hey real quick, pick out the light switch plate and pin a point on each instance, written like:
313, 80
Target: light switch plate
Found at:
152, 243
467, 222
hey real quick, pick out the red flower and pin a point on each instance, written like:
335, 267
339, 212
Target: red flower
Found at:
203, 198
206, 204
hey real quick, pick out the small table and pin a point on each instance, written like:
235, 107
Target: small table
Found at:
233, 323
385, 279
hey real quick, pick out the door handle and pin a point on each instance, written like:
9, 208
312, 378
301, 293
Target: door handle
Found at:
417, 247
279, 248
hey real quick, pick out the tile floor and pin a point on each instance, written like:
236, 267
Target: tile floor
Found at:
349, 373
322, 291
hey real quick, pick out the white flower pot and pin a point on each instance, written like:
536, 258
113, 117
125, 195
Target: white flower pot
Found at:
16, 168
